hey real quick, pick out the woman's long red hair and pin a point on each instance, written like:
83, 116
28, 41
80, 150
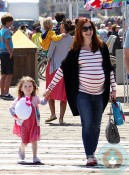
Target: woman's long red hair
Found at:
78, 39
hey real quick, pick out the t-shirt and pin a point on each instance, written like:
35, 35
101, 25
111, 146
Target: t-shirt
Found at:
36, 39
4, 35
103, 33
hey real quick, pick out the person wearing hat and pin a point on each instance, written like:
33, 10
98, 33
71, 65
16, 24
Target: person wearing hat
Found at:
103, 33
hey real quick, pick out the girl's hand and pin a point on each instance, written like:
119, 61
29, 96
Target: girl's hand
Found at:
46, 93
113, 95
19, 122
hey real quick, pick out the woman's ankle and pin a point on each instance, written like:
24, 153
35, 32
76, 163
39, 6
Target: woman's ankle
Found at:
61, 120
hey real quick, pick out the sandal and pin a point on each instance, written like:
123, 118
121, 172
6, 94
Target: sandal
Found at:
52, 117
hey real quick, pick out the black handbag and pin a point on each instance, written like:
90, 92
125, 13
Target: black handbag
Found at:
111, 132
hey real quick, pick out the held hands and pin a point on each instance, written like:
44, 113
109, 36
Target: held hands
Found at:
44, 101
113, 95
46, 93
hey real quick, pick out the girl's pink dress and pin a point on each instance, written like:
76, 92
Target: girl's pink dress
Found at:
58, 93
29, 131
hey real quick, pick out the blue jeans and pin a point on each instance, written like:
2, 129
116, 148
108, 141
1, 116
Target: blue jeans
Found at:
90, 108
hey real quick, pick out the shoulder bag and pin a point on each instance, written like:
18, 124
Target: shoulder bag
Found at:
111, 132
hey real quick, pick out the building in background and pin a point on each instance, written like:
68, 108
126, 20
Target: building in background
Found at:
50, 7
72, 8
23, 9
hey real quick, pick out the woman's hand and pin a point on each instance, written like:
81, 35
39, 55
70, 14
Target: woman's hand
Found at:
113, 95
46, 93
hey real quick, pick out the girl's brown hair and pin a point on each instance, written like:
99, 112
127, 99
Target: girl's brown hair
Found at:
21, 82
78, 39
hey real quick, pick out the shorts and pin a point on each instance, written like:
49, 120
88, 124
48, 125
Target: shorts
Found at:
6, 63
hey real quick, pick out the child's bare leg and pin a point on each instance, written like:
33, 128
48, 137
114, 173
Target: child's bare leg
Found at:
34, 149
21, 151
23, 145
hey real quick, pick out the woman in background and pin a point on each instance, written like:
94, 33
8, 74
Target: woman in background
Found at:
57, 52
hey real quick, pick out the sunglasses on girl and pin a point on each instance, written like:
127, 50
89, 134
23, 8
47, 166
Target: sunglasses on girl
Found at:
85, 29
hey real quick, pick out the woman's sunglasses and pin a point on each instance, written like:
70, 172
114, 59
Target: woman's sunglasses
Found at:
85, 29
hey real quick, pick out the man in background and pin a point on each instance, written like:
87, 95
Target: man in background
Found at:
103, 33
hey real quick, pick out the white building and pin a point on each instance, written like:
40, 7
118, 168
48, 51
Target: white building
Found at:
72, 8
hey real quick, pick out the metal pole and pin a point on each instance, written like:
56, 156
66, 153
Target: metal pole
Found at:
77, 9
125, 75
70, 11
106, 12
91, 14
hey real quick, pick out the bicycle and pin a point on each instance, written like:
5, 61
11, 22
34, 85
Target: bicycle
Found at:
42, 64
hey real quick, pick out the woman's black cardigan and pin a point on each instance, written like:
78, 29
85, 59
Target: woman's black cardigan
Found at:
71, 77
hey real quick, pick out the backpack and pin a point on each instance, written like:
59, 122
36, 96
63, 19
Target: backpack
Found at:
118, 113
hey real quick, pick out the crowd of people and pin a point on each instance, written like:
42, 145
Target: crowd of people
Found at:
79, 71
105, 31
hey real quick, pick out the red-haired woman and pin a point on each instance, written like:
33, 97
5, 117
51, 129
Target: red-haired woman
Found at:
88, 76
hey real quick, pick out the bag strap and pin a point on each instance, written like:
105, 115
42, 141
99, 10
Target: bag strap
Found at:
110, 113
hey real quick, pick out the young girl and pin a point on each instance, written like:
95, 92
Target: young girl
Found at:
29, 129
